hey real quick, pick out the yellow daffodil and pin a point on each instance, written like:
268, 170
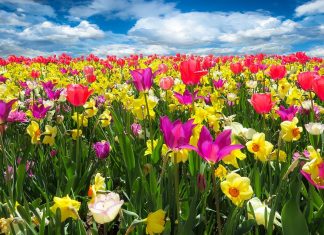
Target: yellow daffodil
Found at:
148, 150
237, 188
155, 222
90, 109
69, 207
290, 131
281, 157
34, 132
220, 172
315, 167
80, 119
76, 133
105, 118
231, 159
50, 133
259, 147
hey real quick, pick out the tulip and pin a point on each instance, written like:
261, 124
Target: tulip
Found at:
142, 79
102, 149
166, 83
191, 72
78, 94
5, 109
187, 98
236, 68
318, 87
262, 103
214, 151
305, 80
277, 72
287, 114
176, 134
314, 128
105, 207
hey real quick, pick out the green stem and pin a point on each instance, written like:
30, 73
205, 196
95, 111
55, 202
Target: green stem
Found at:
176, 190
150, 123
218, 218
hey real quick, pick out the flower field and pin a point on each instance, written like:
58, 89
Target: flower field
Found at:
162, 145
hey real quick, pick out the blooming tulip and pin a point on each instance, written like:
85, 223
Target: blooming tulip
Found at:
262, 103
318, 87
142, 79
305, 80
277, 72
191, 72
78, 94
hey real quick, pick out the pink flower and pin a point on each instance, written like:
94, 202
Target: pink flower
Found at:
176, 134
142, 79
187, 98
214, 151
5, 109
287, 114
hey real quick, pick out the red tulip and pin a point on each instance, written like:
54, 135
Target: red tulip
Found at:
191, 72
305, 80
277, 72
78, 94
236, 68
318, 87
262, 103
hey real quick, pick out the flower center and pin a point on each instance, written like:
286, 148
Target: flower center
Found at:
295, 132
255, 147
234, 192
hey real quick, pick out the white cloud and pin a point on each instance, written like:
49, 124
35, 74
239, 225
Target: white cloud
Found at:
316, 51
201, 28
268, 48
48, 31
30, 7
8, 47
12, 19
310, 8
129, 49
122, 9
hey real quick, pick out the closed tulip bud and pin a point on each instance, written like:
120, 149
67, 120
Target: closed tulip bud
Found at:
201, 182
166, 83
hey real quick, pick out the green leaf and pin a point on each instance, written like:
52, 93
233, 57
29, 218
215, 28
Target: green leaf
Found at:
293, 220
21, 172
245, 227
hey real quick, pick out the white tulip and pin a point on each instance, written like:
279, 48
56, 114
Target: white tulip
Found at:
314, 128
105, 207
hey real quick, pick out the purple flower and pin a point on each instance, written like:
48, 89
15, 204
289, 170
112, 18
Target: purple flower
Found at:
187, 97
53, 95
287, 114
5, 109
214, 151
17, 116
142, 79
48, 85
53, 153
3, 79
219, 83
101, 149
177, 134
136, 129
39, 111
100, 100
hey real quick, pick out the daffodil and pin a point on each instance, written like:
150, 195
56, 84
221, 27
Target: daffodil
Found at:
50, 133
34, 132
76, 133
105, 118
155, 222
237, 188
80, 119
69, 207
90, 108
149, 147
314, 169
290, 131
220, 172
259, 147
231, 159
282, 156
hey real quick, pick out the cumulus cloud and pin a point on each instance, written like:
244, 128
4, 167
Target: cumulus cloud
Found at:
30, 7
123, 9
203, 28
48, 31
310, 8
8, 47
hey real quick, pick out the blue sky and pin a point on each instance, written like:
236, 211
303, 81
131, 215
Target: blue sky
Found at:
123, 27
